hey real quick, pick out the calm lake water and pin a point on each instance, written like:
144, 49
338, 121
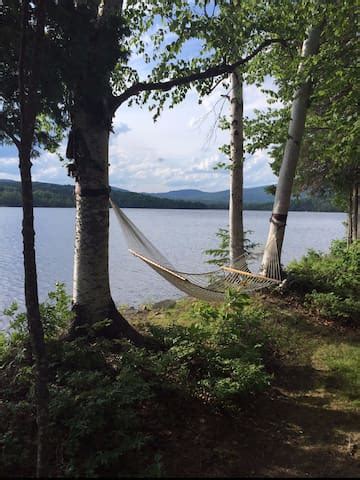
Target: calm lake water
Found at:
182, 235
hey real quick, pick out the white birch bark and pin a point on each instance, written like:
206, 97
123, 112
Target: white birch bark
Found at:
91, 285
291, 156
236, 229
92, 301
91, 289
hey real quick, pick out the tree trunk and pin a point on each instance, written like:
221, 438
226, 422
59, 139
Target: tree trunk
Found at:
350, 219
33, 314
29, 106
92, 299
291, 156
236, 229
355, 213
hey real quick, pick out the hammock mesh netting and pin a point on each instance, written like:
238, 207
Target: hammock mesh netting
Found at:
209, 286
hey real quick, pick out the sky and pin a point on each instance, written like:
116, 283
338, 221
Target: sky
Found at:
178, 151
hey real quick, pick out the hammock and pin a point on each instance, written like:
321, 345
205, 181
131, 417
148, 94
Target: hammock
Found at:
209, 286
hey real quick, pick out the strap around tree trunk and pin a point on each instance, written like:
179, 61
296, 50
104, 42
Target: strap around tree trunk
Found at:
278, 219
92, 192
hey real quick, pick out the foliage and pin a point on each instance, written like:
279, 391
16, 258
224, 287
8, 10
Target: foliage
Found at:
217, 33
103, 403
218, 357
221, 255
94, 397
329, 153
102, 393
55, 316
95, 429
51, 121
330, 282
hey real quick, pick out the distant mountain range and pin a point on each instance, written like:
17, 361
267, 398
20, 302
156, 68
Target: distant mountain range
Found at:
253, 195
257, 198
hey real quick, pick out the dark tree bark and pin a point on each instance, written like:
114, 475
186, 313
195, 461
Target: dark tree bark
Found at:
29, 65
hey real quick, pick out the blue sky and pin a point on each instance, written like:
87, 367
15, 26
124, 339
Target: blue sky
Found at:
178, 151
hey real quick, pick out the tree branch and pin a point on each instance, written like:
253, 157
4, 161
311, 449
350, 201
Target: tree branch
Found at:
214, 71
12, 137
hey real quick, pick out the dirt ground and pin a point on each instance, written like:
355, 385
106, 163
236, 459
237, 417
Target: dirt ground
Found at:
299, 428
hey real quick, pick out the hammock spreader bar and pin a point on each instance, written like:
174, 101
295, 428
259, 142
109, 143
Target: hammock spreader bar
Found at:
249, 274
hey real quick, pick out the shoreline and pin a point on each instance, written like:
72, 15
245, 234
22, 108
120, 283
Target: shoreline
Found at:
184, 208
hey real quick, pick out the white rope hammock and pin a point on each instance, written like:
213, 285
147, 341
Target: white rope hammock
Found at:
208, 286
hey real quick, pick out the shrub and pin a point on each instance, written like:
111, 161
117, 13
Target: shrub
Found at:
219, 356
330, 282
95, 397
55, 314
101, 392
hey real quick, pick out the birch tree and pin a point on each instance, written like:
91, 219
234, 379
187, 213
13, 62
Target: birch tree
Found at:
92, 48
291, 155
236, 226
328, 158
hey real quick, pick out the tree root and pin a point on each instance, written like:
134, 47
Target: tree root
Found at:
115, 327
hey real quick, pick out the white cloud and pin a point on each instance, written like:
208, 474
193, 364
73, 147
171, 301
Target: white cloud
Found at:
9, 176
48, 168
185, 140
10, 161
178, 151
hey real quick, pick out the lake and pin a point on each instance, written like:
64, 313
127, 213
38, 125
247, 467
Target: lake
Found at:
182, 235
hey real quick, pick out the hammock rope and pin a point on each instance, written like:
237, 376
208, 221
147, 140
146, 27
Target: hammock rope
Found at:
209, 286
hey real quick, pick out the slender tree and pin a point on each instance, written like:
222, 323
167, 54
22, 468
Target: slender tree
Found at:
29, 117
328, 161
28, 72
236, 227
291, 155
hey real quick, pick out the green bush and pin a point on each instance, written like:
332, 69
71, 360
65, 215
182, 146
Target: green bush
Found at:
219, 357
94, 405
55, 314
95, 396
330, 282
101, 392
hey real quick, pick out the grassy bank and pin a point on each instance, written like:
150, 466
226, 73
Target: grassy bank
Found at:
306, 423
260, 386
275, 394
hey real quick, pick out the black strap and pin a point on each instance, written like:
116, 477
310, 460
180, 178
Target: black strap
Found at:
92, 192
278, 219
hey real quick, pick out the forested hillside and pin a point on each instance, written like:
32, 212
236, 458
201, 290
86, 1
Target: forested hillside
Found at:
52, 195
